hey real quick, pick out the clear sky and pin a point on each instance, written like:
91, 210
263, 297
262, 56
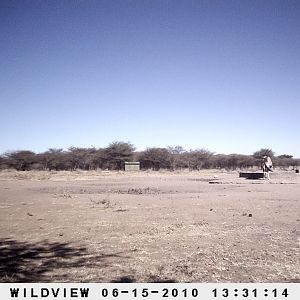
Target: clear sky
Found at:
221, 75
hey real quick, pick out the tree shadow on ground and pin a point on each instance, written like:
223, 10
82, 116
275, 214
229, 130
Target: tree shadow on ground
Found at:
33, 262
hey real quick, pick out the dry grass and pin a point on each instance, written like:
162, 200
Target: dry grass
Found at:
149, 226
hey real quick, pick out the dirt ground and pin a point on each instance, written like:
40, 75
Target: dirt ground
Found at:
207, 226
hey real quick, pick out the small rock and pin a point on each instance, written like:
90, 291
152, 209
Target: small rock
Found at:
61, 234
29, 214
250, 215
211, 209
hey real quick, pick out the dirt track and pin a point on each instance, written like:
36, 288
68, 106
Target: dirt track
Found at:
149, 227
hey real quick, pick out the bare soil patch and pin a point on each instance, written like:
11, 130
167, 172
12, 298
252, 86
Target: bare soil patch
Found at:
208, 226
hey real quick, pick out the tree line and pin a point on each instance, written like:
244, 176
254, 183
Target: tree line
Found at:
115, 154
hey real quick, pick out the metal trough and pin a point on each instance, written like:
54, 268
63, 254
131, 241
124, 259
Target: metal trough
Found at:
252, 175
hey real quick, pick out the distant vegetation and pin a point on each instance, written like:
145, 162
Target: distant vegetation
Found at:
114, 156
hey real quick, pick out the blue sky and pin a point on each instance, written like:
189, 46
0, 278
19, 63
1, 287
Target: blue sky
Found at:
221, 75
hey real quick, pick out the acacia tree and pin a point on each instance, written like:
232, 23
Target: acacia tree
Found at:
55, 159
176, 157
198, 159
47, 158
264, 152
258, 155
20, 160
90, 159
297, 162
117, 153
80, 158
235, 161
3, 164
285, 160
98, 159
114, 156
156, 158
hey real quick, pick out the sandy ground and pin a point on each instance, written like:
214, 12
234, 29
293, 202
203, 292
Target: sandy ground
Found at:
208, 226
